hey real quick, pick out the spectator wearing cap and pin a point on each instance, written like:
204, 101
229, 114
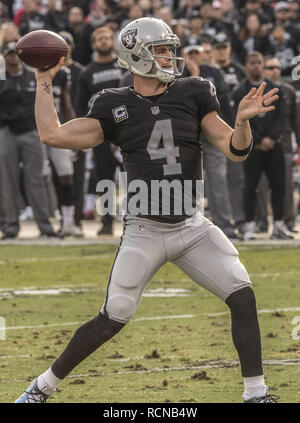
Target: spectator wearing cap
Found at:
95, 19
273, 72
284, 46
215, 163
252, 37
19, 142
233, 74
267, 155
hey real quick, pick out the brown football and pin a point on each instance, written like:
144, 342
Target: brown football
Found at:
41, 49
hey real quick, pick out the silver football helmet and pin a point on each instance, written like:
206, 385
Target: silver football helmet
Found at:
135, 49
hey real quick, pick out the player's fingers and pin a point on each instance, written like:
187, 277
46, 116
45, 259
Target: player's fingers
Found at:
270, 93
270, 100
251, 93
260, 89
61, 61
268, 109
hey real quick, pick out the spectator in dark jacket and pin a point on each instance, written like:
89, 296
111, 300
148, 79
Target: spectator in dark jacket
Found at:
267, 154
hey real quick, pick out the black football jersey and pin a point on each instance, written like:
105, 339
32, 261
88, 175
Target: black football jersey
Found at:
158, 140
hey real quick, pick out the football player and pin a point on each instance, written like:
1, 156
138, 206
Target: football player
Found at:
157, 123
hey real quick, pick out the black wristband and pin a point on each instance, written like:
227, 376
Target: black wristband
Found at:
237, 152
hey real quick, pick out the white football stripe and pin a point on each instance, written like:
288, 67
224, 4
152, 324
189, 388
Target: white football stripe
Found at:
32, 291
59, 258
153, 318
205, 365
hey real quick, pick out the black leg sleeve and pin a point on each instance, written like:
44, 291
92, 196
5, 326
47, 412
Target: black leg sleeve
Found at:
86, 340
245, 331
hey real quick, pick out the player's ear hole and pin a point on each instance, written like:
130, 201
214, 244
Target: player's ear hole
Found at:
135, 58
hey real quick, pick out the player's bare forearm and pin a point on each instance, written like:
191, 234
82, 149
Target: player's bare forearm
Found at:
242, 136
220, 134
45, 114
77, 134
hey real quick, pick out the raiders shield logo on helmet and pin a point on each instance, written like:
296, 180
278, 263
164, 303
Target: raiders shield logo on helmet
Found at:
129, 38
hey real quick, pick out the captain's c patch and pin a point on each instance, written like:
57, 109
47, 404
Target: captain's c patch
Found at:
120, 113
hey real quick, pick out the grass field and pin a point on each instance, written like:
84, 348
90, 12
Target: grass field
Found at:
177, 348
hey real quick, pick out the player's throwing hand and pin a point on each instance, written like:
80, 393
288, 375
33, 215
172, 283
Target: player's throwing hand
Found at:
49, 73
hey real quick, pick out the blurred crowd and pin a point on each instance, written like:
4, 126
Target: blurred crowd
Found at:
235, 44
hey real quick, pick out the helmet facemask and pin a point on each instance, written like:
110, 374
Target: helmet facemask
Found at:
165, 75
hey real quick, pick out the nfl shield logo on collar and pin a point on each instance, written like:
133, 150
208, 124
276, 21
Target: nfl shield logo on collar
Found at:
155, 110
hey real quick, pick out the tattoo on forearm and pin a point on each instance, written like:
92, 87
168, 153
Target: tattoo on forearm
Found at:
238, 125
46, 87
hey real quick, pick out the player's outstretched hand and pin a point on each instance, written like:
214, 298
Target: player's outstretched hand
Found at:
256, 102
50, 73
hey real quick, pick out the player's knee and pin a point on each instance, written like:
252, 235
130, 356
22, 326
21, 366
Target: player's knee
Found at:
242, 301
106, 327
98, 330
120, 308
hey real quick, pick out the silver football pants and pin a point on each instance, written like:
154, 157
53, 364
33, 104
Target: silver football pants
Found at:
198, 247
